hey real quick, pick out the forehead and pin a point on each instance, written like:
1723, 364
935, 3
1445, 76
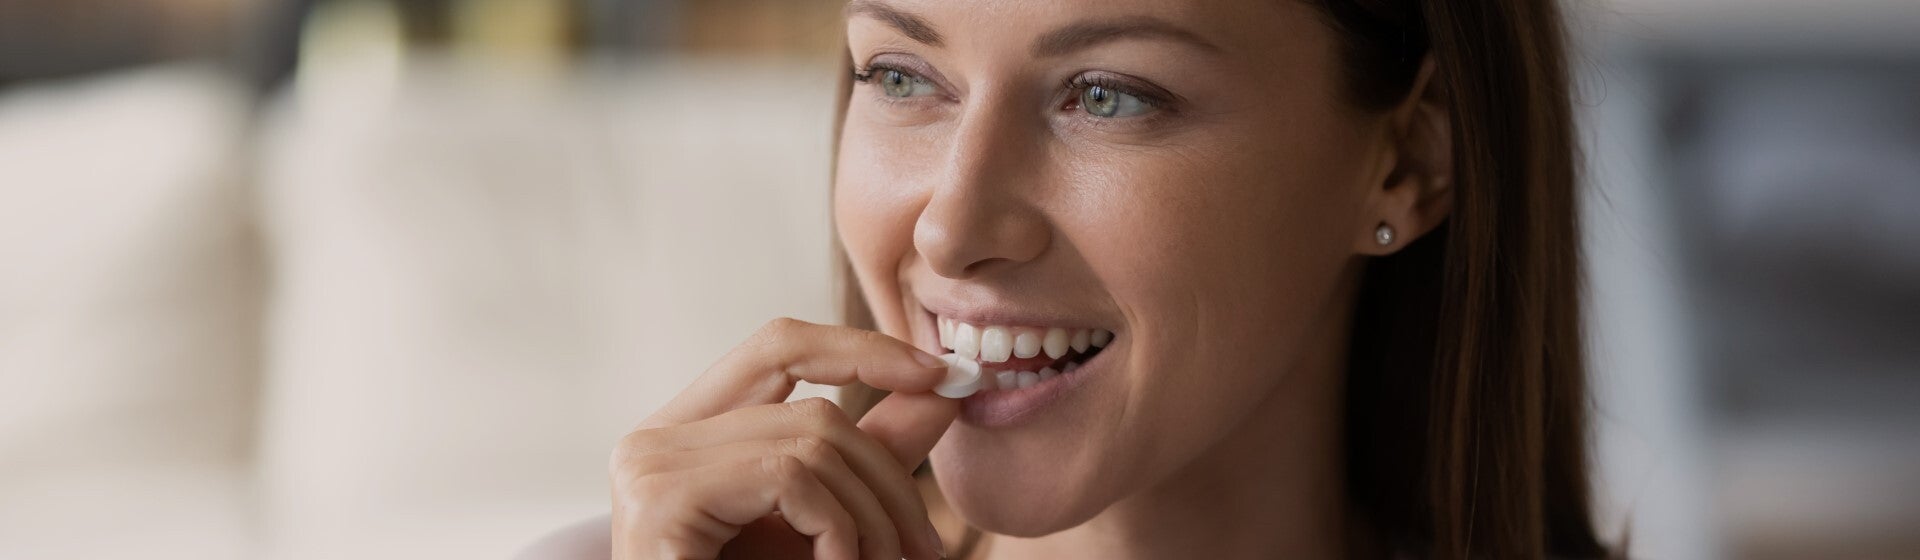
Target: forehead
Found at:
1234, 25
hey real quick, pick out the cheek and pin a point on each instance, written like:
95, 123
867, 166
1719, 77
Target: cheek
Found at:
1228, 260
874, 210
1231, 235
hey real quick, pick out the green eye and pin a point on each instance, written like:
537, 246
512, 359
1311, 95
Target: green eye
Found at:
901, 84
1107, 103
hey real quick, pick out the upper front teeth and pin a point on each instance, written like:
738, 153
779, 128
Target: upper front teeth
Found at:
1026, 345
995, 343
966, 341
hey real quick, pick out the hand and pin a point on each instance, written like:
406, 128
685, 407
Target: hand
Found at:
728, 469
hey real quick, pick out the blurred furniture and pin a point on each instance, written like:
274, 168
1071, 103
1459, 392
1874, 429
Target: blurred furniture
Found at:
422, 326
1754, 303
483, 279
130, 287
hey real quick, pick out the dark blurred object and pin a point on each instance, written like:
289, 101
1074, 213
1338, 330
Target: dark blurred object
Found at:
1796, 184
1803, 192
632, 25
58, 38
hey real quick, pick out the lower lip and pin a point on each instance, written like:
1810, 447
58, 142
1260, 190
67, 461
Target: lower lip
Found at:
1005, 408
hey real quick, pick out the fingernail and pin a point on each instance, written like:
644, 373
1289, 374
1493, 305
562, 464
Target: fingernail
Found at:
938, 546
928, 360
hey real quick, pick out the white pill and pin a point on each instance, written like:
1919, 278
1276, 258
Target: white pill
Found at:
963, 378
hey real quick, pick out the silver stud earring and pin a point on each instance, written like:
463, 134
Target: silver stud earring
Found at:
1384, 235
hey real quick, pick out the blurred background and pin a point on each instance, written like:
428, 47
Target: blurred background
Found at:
292, 279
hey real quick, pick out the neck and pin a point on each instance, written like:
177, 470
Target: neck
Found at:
1273, 488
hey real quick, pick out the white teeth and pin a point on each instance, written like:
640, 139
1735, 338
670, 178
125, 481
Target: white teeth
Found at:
1026, 379
1056, 342
1047, 373
1007, 380
1026, 345
995, 345
1070, 367
966, 341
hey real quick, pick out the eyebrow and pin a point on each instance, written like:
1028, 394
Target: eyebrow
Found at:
1068, 39
1087, 34
913, 26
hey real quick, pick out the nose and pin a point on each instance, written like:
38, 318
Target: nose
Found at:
981, 215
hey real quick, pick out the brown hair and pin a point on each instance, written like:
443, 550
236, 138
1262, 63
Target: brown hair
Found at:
1466, 407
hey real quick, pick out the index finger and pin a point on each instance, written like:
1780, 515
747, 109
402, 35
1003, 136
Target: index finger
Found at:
764, 369
908, 424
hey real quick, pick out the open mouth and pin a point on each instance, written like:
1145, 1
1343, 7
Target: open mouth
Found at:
1016, 357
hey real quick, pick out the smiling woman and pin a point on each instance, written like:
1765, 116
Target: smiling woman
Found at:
1243, 279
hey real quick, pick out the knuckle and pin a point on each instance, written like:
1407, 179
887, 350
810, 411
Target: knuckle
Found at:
817, 413
620, 467
643, 440
637, 466
810, 450
776, 329
645, 492
785, 470
630, 455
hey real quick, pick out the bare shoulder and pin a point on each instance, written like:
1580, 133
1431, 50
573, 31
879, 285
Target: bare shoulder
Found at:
589, 539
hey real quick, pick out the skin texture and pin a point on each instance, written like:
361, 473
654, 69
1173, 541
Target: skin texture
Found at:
1218, 234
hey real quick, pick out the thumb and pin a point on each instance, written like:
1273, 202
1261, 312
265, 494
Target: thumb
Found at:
908, 424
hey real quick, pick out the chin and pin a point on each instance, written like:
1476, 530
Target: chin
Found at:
988, 497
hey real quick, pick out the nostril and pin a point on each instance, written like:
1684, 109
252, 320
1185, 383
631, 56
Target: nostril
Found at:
967, 232
944, 249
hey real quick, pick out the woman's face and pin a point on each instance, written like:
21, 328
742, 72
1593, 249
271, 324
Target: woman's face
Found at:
1184, 175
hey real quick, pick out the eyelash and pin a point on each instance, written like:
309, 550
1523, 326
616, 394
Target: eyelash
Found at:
1079, 84
864, 74
1075, 85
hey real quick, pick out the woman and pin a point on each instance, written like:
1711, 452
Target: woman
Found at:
1259, 278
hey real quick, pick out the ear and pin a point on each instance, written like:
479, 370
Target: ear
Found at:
1413, 193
